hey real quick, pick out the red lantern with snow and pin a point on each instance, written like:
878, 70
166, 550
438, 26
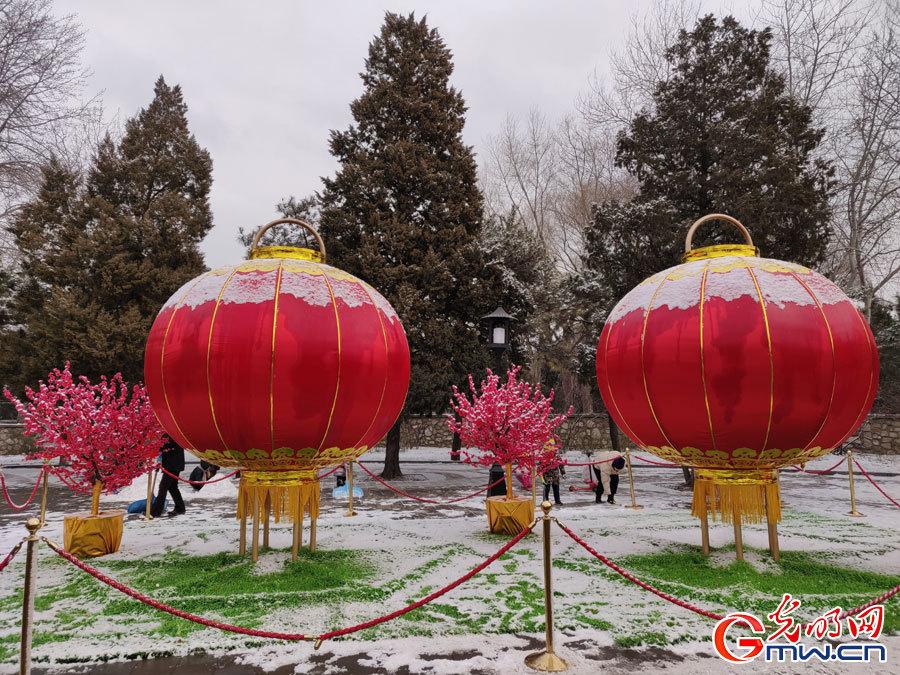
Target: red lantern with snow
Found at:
737, 365
279, 366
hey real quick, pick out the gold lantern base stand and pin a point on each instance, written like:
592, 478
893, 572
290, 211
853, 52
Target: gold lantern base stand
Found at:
266, 494
738, 496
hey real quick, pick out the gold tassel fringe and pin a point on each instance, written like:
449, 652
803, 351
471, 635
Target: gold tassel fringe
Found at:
754, 503
283, 498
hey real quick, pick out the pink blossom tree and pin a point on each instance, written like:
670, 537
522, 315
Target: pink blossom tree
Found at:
106, 437
511, 423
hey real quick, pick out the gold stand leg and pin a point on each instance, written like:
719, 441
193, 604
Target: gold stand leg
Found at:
738, 536
631, 482
33, 526
853, 511
312, 533
268, 509
350, 511
242, 547
298, 530
773, 533
704, 534
151, 483
255, 551
547, 660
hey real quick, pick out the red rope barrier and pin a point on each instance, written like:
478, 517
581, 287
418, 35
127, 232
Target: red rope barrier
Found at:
429, 501
712, 615
166, 608
267, 634
30, 498
602, 461
400, 612
11, 555
865, 473
650, 461
195, 482
831, 468
330, 472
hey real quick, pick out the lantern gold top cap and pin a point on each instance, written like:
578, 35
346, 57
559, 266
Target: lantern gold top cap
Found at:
747, 249
299, 253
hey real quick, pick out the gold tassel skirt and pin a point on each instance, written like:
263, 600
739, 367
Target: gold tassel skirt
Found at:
753, 494
285, 490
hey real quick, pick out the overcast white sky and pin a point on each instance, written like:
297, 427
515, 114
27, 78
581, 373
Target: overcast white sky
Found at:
266, 81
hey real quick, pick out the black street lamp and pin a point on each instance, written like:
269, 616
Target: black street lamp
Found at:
498, 334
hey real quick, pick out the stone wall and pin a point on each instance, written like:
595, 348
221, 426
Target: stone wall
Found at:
880, 434
12, 441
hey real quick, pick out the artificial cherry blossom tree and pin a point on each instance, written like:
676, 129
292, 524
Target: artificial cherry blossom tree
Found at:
510, 423
106, 436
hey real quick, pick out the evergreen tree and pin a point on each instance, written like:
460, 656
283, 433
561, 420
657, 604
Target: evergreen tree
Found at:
404, 211
100, 259
724, 136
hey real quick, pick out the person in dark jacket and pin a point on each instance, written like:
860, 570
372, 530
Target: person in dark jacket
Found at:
173, 462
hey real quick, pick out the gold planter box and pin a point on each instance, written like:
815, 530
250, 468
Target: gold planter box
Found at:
87, 536
509, 516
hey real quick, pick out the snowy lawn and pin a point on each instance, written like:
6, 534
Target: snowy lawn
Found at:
398, 550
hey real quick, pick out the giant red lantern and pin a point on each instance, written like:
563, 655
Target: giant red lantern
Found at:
280, 366
737, 365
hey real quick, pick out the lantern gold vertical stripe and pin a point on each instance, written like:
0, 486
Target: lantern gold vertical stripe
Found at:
643, 372
612, 397
762, 303
863, 411
337, 388
272, 372
212, 323
386, 366
833, 361
162, 358
702, 361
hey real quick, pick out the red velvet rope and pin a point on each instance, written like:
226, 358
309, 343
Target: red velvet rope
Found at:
602, 461
166, 608
266, 634
30, 498
11, 555
400, 612
195, 482
681, 603
865, 473
429, 501
650, 461
831, 468
328, 473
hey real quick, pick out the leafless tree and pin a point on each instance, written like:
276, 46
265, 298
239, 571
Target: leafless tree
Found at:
637, 69
866, 151
42, 110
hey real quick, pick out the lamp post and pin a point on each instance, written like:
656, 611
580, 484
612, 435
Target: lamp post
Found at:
498, 334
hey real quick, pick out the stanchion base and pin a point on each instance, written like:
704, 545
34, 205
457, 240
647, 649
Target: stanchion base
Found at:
547, 662
633, 506
856, 513
349, 513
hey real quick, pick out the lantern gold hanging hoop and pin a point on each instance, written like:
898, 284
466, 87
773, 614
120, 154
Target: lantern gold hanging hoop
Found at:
296, 252
746, 249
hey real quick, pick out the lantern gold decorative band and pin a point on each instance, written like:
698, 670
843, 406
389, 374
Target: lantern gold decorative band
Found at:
293, 252
278, 478
263, 252
721, 251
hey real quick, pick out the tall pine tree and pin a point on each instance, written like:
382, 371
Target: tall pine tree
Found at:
404, 211
99, 259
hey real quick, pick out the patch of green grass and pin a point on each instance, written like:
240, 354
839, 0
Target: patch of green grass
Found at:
638, 639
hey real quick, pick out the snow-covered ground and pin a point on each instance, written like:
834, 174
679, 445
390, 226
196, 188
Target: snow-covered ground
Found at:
488, 624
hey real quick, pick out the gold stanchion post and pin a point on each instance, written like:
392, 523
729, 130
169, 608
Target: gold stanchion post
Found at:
151, 479
630, 482
44, 495
33, 525
773, 529
350, 511
547, 660
853, 511
533, 478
